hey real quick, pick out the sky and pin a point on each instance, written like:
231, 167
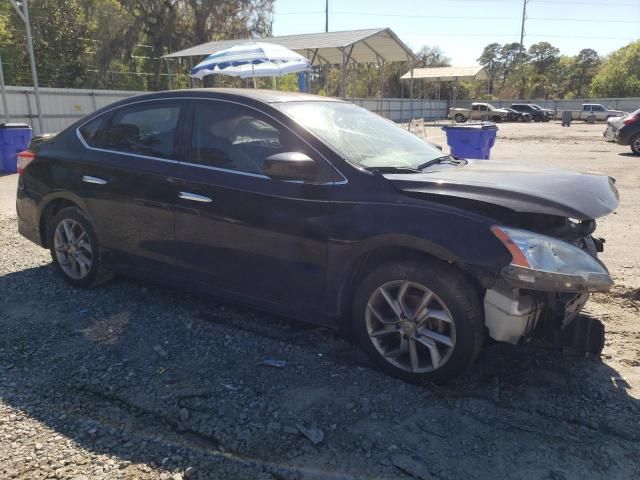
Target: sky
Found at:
461, 28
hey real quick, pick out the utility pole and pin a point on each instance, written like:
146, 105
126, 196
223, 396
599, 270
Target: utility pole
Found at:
524, 17
326, 15
23, 13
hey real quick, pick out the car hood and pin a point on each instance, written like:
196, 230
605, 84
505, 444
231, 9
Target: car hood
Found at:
519, 187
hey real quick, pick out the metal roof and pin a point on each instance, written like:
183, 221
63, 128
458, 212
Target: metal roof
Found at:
361, 46
447, 74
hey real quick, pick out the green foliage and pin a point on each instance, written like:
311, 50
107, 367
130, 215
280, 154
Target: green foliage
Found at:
620, 74
119, 44
59, 36
541, 72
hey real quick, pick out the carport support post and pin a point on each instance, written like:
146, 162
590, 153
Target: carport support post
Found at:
343, 81
381, 84
411, 97
4, 94
166, 60
24, 15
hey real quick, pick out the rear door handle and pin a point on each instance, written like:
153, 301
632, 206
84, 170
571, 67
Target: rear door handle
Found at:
194, 197
96, 180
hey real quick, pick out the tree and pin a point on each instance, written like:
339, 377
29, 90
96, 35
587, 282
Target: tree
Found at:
59, 42
215, 19
432, 57
543, 55
587, 63
620, 74
510, 55
490, 59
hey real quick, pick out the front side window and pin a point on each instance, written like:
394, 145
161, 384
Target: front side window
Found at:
229, 136
144, 130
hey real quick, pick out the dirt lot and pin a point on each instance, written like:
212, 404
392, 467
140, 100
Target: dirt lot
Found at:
130, 380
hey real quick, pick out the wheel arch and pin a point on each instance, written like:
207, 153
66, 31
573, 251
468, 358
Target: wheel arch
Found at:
379, 255
50, 206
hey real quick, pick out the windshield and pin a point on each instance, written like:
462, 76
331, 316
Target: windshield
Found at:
361, 137
537, 107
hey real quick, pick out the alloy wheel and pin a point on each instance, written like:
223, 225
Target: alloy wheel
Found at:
73, 249
410, 326
636, 144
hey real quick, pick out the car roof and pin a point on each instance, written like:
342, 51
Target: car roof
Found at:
261, 95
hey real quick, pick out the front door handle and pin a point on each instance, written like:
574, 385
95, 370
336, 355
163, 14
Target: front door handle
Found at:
95, 180
194, 197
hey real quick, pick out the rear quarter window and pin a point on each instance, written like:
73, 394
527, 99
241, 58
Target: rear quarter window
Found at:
90, 131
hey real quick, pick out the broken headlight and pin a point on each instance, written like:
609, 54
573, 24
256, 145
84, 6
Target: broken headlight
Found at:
548, 264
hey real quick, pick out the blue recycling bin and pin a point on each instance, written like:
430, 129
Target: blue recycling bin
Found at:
14, 137
471, 140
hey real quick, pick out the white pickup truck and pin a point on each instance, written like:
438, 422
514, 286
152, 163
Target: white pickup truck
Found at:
478, 111
599, 111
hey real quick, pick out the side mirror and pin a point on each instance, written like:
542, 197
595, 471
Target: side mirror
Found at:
290, 166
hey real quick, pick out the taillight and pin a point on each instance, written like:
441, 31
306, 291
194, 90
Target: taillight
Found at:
631, 120
24, 159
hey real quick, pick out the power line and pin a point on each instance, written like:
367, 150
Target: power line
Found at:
598, 4
460, 17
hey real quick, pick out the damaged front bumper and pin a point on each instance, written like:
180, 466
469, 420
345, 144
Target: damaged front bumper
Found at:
529, 301
515, 315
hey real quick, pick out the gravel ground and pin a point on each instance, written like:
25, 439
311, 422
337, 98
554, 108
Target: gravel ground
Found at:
134, 381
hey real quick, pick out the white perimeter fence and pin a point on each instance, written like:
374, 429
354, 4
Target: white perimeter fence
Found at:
63, 106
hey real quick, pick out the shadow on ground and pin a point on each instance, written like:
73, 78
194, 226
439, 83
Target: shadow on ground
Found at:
164, 378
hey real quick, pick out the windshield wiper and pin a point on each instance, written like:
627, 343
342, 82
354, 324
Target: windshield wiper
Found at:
442, 159
392, 169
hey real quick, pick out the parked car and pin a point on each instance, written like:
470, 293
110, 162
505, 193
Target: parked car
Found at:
537, 114
478, 111
318, 209
547, 111
516, 116
596, 110
625, 131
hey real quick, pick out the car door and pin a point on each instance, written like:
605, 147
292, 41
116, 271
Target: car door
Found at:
126, 180
241, 231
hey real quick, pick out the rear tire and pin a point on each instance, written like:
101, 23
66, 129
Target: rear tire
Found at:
75, 249
635, 144
459, 118
420, 321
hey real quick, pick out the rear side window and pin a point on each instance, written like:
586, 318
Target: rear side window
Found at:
144, 130
90, 131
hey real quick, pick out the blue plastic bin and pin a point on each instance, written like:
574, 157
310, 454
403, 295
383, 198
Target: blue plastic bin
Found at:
14, 137
472, 140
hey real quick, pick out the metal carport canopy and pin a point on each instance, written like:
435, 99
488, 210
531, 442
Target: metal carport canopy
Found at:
360, 46
447, 74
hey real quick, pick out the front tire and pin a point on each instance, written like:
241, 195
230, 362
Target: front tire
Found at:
74, 248
419, 321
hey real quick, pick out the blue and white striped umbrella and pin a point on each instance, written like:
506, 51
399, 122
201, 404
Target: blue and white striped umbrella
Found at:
252, 60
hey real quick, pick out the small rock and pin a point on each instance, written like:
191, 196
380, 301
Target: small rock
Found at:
190, 473
411, 465
38, 446
183, 414
290, 429
314, 434
162, 353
